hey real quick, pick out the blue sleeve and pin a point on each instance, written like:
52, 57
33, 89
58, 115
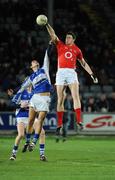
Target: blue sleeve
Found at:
25, 84
16, 98
14, 105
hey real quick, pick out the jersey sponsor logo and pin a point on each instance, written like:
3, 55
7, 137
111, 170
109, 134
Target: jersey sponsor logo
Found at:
25, 95
68, 55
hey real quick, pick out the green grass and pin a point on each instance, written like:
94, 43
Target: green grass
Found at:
79, 158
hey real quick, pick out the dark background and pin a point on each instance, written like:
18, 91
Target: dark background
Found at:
93, 22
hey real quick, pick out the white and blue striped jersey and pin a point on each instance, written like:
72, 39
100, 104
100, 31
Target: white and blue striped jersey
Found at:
25, 96
39, 80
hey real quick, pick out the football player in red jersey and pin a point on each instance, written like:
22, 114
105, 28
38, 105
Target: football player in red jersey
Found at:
68, 54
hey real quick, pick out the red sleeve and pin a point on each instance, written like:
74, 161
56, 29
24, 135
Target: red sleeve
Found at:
80, 55
59, 43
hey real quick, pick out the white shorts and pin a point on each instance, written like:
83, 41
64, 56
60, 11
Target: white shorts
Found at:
65, 76
23, 120
40, 103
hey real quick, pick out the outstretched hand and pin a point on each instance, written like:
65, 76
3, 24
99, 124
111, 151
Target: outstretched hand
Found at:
95, 80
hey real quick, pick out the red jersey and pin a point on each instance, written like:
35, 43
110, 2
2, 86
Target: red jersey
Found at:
68, 55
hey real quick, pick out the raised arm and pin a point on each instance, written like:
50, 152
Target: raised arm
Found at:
17, 98
25, 84
47, 59
88, 69
51, 32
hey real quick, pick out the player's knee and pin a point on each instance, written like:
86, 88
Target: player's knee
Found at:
60, 101
41, 119
60, 95
31, 121
21, 135
75, 97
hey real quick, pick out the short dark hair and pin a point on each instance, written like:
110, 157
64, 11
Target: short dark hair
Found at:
72, 34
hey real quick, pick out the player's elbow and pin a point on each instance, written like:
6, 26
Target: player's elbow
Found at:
53, 37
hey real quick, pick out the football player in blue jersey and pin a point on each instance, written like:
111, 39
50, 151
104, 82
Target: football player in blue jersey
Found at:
40, 101
21, 102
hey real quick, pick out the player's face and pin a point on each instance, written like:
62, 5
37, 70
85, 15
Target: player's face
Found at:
69, 39
34, 65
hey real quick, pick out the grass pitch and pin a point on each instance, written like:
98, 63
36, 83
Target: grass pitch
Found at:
79, 158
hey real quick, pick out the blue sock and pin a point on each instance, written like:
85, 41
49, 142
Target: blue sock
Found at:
28, 136
42, 148
15, 149
35, 138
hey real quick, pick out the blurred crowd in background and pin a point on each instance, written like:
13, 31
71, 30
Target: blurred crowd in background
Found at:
23, 40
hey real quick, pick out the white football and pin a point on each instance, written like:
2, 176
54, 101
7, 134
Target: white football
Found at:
41, 20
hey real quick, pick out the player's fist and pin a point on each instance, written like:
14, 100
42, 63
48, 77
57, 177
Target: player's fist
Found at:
10, 92
95, 80
24, 104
